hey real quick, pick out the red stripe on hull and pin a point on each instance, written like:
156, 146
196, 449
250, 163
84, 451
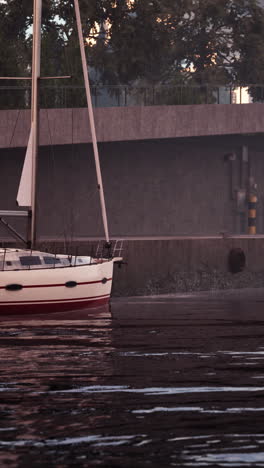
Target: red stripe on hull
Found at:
57, 285
50, 307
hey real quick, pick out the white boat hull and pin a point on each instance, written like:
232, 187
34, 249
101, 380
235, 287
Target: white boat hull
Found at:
55, 289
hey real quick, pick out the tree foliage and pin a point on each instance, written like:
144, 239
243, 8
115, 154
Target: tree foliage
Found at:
140, 41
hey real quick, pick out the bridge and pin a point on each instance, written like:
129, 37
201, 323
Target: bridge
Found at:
68, 126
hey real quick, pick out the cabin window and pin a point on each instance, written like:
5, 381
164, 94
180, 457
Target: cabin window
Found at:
51, 260
8, 263
30, 260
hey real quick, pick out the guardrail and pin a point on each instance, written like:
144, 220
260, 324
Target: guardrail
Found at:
19, 97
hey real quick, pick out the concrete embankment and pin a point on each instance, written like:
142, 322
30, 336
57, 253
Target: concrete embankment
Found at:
179, 265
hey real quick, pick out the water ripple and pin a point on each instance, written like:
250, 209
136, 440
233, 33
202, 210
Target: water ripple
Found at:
158, 390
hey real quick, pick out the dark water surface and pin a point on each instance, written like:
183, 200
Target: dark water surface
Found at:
156, 382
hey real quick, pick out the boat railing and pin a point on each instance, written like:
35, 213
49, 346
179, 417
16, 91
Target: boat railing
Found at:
118, 248
103, 252
3, 259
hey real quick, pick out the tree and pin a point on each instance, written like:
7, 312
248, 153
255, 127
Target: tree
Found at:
14, 18
198, 41
140, 41
214, 38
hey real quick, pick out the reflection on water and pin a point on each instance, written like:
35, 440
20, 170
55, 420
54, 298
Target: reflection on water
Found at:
175, 381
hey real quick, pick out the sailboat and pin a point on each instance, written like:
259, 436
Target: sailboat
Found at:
32, 281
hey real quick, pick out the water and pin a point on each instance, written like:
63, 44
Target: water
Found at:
156, 382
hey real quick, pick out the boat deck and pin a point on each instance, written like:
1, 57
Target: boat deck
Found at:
23, 259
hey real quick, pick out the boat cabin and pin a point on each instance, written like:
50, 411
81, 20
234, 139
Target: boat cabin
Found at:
17, 259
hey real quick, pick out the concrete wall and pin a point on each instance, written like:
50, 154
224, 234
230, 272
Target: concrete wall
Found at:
153, 188
173, 266
67, 126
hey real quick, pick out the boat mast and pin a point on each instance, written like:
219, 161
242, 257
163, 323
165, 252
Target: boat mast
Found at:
91, 118
35, 112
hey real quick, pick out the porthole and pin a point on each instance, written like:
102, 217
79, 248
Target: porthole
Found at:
71, 284
14, 287
104, 280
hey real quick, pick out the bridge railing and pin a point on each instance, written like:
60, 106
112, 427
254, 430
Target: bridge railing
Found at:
19, 97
